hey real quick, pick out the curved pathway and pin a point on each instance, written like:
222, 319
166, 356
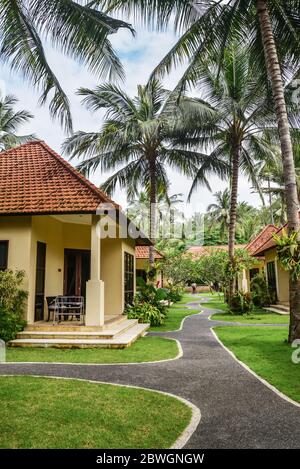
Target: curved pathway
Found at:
238, 411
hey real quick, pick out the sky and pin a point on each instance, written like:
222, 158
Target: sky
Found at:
139, 56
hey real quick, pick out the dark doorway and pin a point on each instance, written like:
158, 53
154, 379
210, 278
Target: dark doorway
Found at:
271, 276
76, 272
40, 282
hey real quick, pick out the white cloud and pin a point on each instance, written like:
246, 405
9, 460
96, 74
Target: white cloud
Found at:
139, 55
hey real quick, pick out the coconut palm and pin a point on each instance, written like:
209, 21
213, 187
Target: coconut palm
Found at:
136, 141
219, 212
10, 121
236, 114
74, 27
272, 27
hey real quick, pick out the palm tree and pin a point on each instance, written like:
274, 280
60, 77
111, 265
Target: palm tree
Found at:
237, 113
219, 212
138, 140
10, 121
274, 35
166, 204
74, 27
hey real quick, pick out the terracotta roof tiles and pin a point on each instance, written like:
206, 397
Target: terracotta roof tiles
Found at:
36, 180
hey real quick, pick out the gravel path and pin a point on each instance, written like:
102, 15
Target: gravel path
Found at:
238, 411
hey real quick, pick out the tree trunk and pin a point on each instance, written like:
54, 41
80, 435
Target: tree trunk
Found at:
275, 75
152, 211
233, 214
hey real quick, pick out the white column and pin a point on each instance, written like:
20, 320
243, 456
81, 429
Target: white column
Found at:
95, 286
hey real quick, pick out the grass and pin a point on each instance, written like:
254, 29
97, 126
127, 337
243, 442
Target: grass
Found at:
143, 350
265, 351
257, 316
176, 313
52, 413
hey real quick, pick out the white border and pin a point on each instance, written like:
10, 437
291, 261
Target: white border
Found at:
178, 356
185, 435
262, 380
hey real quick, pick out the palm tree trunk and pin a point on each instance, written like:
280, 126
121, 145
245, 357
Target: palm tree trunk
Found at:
275, 75
233, 215
152, 211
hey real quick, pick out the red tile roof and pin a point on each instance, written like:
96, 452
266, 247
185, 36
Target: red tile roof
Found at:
261, 238
270, 242
36, 180
198, 251
142, 252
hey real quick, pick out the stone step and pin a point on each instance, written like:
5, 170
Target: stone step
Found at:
114, 331
73, 327
121, 341
279, 309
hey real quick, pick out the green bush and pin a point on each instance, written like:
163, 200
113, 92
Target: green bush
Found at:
12, 304
260, 292
175, 294
241, 303
145, 313
147, 293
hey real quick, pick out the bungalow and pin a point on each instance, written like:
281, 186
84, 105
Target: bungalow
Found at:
277, 277
143, 266
49, 228
259, 264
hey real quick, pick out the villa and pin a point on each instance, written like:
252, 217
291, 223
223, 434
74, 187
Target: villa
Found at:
49, 228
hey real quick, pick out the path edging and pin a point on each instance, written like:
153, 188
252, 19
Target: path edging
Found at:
262, 380
187, 432
178, 356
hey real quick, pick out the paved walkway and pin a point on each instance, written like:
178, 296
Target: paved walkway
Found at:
238, 411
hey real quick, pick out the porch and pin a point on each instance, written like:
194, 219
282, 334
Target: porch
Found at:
117, 332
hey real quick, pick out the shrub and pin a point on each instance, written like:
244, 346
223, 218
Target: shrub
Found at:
241, 303
12, 304
147, 293
260, 292
145, 313
174, 294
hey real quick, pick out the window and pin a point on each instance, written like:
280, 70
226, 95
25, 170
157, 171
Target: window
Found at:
3, 255
128, 278
271, 276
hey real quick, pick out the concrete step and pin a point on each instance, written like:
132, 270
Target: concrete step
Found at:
121, 341
114, 331
279, 309
71, 326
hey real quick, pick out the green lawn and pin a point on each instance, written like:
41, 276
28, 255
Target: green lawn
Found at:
176, 313
143, 350
258, 316
265, 351
52, 413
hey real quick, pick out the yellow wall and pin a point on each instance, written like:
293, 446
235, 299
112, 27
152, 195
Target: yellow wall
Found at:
143, 264
17, 230
23, 233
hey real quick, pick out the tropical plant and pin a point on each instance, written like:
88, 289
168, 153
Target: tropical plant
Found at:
272, 27
242, 303
238, 114
12, 304
10, 121
260, 292
74, 27
145, 313
138, 141
288, 252
219, 212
